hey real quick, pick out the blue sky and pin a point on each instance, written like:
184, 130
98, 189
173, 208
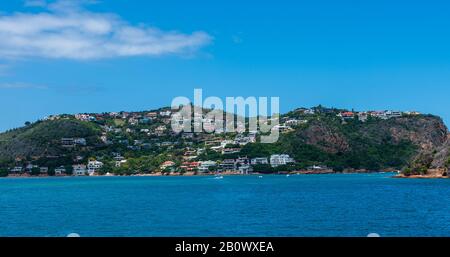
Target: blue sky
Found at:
135, 55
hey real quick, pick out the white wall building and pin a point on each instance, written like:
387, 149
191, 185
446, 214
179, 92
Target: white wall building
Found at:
79, 170
60, 170
204, 166
280, 159
260, 161
94, 166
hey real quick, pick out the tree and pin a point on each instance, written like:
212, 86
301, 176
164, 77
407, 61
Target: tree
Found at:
35, 171
51, 172
107, 167
3, 172
69, 170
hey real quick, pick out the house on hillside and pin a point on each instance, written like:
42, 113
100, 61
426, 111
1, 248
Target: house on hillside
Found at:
206, 165
260, 161
167, 165
79, 170
60, 171
280, 159
94, 166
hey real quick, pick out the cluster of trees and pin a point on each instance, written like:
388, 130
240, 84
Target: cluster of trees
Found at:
142, 164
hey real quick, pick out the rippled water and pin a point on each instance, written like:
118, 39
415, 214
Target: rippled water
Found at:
299, 205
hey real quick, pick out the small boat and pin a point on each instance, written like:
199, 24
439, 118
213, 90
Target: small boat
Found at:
288, 175
218, 177
260, 177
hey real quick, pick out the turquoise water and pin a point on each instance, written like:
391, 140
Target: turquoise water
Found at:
299, 205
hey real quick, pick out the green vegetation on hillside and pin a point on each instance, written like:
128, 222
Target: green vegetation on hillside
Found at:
131, 143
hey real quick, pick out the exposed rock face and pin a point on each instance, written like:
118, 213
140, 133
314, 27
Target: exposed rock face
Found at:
441, 158
432, 161
428, 132
325, 137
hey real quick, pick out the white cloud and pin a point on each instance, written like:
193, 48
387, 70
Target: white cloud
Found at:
65, 29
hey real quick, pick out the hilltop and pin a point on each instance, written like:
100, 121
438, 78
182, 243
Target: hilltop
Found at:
317, 139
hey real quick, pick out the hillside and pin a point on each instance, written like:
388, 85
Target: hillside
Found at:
373, 145
43, 138
140, 142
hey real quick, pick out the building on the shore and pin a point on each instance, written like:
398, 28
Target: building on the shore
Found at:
94, 166
280, 159
245, 169
317, 167
43, 170
189, 166
30, 167
79, 170
60, 171
167, 165
228, 165
206, 166
260, 161
16, 170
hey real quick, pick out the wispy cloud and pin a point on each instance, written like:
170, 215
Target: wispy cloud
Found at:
21, 86
67, 29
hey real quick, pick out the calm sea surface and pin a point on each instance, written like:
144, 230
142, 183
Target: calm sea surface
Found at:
299, 205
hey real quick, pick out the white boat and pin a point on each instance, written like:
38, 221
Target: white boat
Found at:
218, 177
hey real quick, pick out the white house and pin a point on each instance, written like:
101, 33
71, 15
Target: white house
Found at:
228, 165
79, 170
80, 141
60, 170
120, 163
165, 113
280, 159
94, 166
260, 161
394, 114
204, 166
245, 169
292, 122
17, 169
224, 143
282, 128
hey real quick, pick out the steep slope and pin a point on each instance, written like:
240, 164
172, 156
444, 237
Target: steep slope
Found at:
44, 138
375, 144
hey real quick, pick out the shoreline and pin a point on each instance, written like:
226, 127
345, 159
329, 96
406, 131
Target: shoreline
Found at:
431, 174
421, 177
192, 174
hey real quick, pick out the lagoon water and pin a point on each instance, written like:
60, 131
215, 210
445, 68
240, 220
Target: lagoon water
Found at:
299, 205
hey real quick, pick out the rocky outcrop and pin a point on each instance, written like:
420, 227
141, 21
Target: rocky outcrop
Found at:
325, 137
426, 132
